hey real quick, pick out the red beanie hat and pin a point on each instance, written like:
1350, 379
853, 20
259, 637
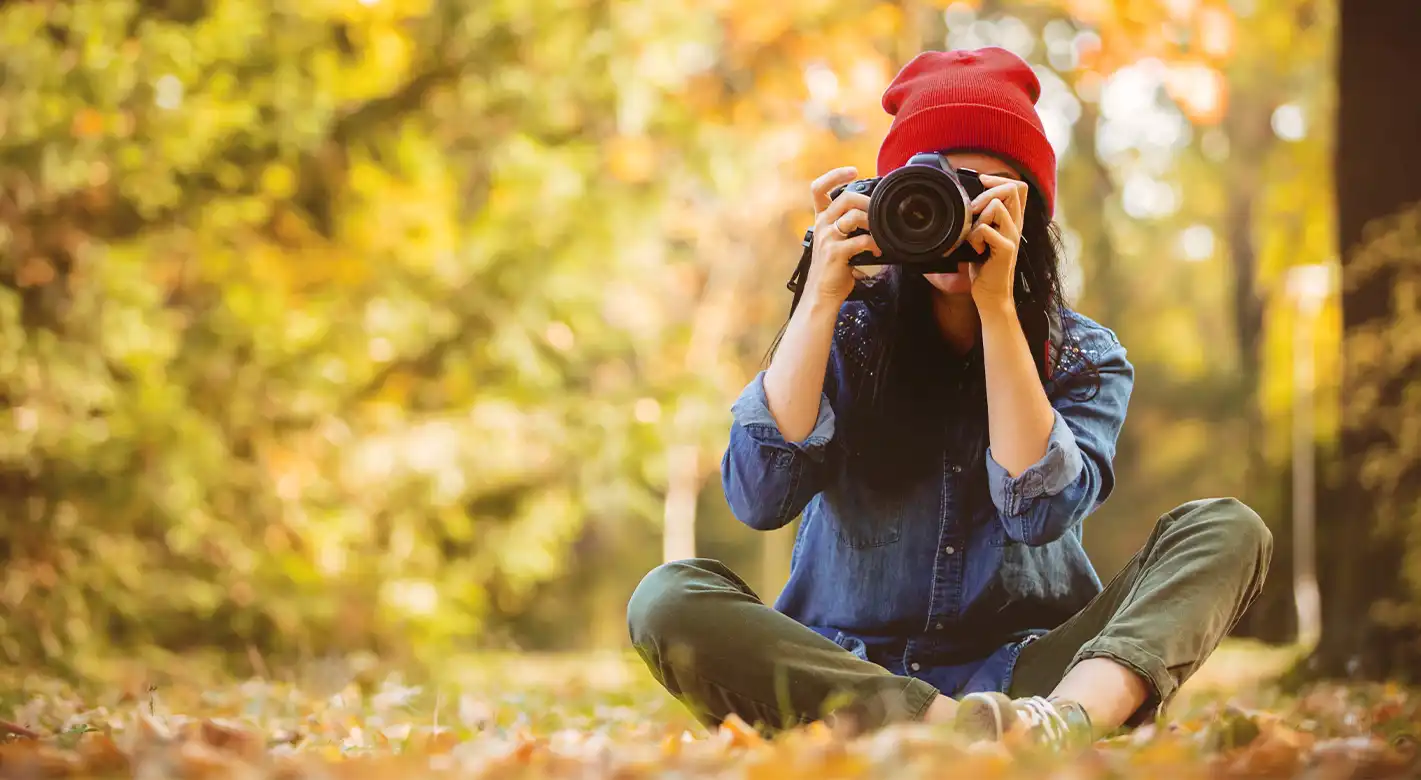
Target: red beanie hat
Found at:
982, 100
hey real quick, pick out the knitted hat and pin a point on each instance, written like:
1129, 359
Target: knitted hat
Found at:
982, 100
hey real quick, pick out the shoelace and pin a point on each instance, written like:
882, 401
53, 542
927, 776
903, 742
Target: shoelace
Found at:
1040, 713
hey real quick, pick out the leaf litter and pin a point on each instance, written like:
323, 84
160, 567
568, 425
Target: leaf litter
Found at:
498, 728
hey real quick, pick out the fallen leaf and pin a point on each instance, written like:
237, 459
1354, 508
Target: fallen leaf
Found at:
473, 712
819, 731
525, 749
33, 759
670, 746
736, 733
232, 737
285, 737
398, 732
198, 761
6, 727
354, 739
1362, 756
1232, 729
150, 728
438, 743
394, 694
101, 755
291, 768
1278, 751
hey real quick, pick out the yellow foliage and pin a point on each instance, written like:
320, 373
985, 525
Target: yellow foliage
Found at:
278, 181
630, 158
350, 222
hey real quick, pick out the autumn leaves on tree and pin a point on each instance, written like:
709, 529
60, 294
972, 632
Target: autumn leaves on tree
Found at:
389, 324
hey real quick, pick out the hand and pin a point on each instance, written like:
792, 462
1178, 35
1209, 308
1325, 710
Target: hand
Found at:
830, 275
1002, 209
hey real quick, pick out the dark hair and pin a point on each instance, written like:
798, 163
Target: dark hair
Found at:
907, 363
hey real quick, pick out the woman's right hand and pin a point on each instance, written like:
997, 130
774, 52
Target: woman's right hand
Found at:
830, 277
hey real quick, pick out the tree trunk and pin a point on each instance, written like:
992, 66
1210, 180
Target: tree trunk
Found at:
1307, 609
713, 323
1248, 318
924, 29
1378, 174
1272, 616
683, 489
1251, 139
1103, 289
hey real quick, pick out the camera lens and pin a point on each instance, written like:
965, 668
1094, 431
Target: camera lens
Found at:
917, 213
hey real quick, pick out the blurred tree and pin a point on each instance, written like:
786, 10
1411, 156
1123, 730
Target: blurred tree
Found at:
313, 334
1137, 97
737, 211
404, 321
1371, 525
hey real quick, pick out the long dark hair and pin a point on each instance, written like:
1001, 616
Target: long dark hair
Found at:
905, 365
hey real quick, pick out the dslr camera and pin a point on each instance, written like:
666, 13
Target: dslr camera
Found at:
919, 215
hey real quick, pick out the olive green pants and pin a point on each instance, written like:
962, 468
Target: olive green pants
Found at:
719, 649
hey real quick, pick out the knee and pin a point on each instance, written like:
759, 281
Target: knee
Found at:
1240, 528
661, 607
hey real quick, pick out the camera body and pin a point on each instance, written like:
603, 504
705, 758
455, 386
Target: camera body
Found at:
920, 215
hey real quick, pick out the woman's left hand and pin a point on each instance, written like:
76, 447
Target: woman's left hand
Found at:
1001, 210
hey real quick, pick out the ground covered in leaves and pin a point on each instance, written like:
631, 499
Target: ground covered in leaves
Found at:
600, 717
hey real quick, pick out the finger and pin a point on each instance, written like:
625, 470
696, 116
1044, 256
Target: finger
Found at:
845, 250
855, 219
996, 215
846, 202
825, 184
1012, 192
990, 181
974, 240
1006, 193
985, 236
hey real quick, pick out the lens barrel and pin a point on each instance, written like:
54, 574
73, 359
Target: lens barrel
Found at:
918, 213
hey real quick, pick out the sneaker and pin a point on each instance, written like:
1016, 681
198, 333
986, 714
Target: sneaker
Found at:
1056, 723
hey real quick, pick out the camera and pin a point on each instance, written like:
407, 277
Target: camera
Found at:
920, 215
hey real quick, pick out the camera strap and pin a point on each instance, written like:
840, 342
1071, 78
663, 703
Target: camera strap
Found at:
1044, 333
801, 271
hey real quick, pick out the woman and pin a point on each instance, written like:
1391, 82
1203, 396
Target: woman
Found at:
944, 459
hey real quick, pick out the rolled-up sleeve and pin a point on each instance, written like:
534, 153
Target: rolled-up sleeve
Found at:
768, 480
1076, 474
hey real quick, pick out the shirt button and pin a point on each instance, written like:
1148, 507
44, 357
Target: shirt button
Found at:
956, 469
949, 549
938, 626
916, 666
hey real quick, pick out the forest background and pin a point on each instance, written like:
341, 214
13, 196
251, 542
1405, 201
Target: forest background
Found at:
412, 326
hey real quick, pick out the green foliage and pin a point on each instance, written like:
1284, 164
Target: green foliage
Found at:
303, 313
396, 323
1384, 402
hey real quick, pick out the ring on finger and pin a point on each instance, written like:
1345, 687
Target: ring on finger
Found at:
840, 228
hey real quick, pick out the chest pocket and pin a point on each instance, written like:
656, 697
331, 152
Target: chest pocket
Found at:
863, 517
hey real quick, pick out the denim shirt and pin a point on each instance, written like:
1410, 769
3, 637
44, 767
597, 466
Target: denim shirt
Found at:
948, 578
